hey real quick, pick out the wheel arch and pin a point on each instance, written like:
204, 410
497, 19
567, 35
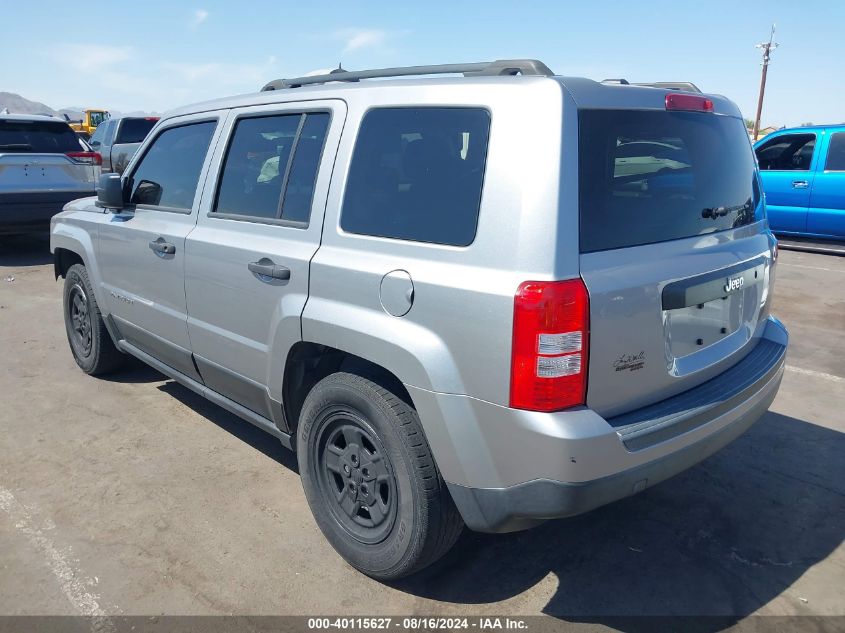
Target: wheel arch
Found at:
72, 244
309, 362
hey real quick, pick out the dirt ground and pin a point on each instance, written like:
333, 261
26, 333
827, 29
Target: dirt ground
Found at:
132, 495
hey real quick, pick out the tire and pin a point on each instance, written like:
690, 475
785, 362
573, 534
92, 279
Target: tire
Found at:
90, 343
360, 444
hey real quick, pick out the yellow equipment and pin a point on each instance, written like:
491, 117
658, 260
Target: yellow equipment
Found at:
89, 122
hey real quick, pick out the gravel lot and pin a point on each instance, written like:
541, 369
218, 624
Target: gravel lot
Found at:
134, 496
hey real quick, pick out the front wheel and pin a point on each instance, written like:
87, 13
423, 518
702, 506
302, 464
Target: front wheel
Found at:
370, 478
90, 343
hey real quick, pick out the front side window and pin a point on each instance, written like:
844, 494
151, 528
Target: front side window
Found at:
271, 166
109, 127
788, 152
169, 171
417, 174
836, 153
99, 135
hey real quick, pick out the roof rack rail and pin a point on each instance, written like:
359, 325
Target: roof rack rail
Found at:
530, 67
685, 86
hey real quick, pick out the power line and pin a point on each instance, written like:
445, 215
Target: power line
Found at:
767, 48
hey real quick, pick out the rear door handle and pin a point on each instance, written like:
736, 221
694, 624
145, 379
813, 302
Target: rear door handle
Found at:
266, 268
160, 246
800, 184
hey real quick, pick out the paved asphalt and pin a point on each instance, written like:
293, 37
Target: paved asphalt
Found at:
134, 496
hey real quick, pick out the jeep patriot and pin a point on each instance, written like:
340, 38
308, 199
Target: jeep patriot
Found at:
487, 300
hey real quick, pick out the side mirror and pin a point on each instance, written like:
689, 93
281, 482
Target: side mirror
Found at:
94, 144
110, 192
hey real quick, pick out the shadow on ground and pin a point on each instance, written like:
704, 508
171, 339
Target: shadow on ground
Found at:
244, 431
25, 250
721, 539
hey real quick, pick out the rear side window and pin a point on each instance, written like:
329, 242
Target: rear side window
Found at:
653, 176
169, 171
40, 137
134, 130
788, 152
271, 167
836, 153
417, 174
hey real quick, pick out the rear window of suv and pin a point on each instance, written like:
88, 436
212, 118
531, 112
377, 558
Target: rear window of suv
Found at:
39, 137
652, 176
417, 173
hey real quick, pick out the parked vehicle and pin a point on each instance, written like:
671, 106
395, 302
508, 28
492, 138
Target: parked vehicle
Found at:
803, 171
89, 122
457, 299
119, 138
43, 165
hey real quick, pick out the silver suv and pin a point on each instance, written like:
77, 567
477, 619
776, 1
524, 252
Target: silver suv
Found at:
487, 300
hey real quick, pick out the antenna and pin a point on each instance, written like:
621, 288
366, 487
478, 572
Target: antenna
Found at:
767, 48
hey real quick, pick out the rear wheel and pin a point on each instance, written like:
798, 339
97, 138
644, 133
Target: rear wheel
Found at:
90, 343
370, 479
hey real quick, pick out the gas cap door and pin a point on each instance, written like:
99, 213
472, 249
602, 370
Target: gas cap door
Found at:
397, 293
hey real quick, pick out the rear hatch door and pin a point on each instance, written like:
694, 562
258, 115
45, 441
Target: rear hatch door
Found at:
36, 155
674, 252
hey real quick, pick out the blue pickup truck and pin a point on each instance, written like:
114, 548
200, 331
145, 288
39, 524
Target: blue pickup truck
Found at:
803, 171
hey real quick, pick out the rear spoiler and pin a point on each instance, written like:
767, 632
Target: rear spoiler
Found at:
685, 86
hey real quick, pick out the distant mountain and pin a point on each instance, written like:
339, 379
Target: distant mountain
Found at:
17, 104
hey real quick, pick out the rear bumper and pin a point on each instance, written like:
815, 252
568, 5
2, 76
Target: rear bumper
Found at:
514, 469
31, 211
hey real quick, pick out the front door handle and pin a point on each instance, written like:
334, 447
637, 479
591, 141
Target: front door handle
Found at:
160, 246
266, 268
800, 184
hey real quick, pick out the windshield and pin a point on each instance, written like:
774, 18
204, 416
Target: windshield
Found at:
653, 176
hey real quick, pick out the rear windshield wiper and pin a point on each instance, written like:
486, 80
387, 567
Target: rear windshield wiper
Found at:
17, 147
718, 212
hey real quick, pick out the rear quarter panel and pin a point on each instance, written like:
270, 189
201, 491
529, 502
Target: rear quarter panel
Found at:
456, 338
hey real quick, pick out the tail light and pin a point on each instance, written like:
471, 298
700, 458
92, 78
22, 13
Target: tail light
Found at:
89, 158
550, 342
692, 103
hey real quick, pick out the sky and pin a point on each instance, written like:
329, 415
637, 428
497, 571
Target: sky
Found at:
156, 55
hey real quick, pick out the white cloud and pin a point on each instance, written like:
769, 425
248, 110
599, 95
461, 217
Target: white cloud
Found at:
223, 74
91, 58
199, 16
357, 39
319, 71
125, 78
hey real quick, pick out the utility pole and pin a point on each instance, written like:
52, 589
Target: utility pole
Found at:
767, 47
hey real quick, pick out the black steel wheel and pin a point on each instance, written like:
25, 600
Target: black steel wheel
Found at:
90, 343
355, 476
370, 478
80, 318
